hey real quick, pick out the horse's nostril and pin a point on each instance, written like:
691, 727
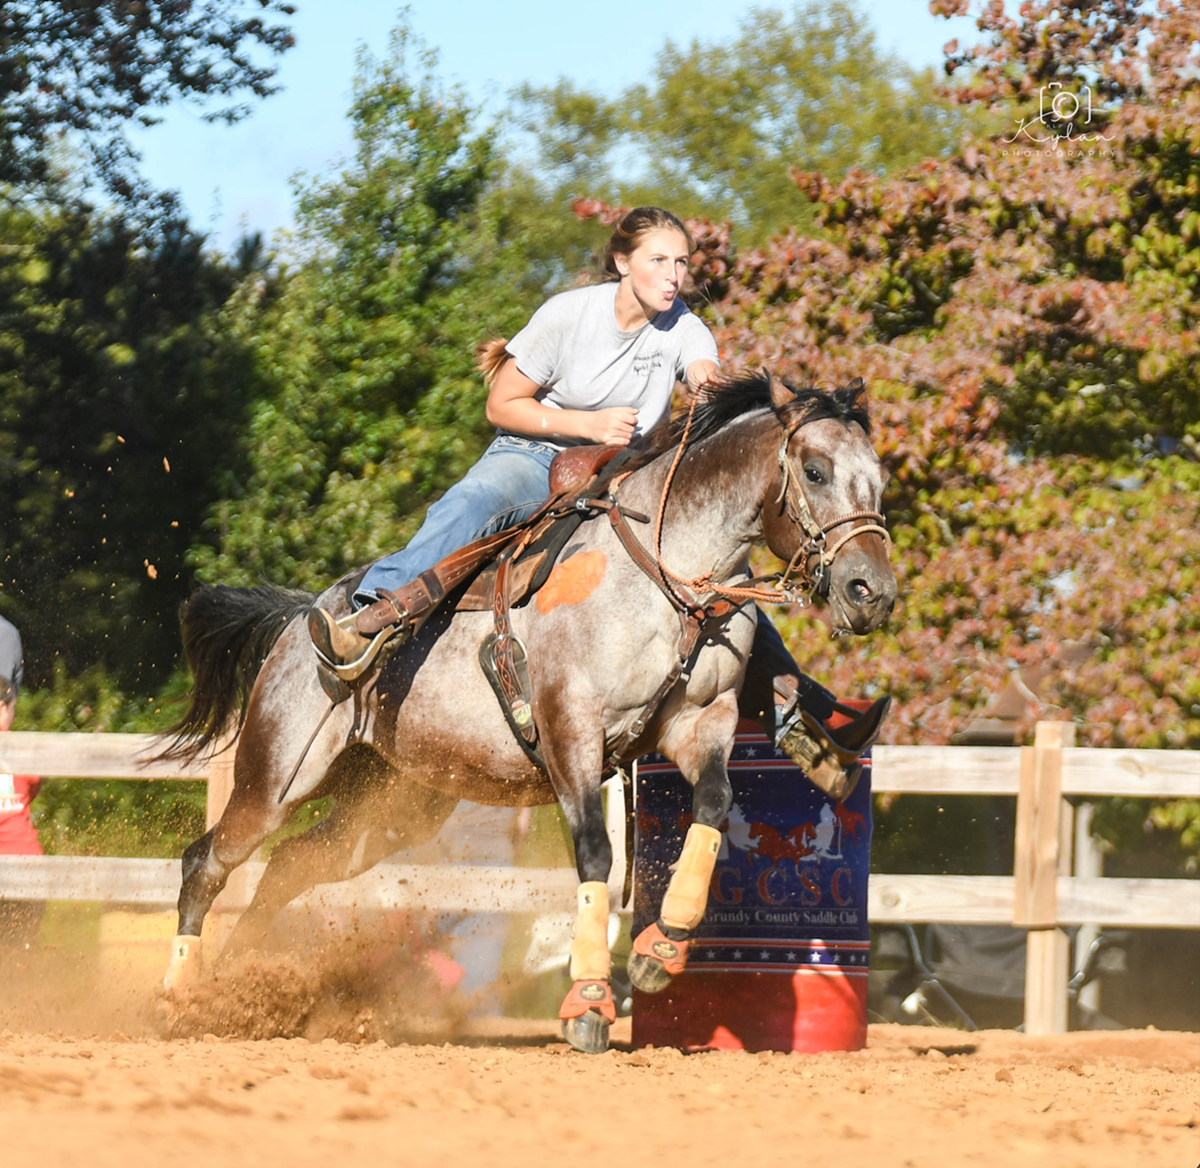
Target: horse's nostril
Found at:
860, 591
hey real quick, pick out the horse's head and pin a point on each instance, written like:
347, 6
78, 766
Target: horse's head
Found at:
825, 516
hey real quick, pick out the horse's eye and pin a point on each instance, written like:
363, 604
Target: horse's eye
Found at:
812, 474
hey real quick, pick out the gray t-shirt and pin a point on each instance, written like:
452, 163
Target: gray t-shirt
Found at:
573, 348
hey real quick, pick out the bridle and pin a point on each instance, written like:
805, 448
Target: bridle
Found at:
814, 554
812, 564
701, 601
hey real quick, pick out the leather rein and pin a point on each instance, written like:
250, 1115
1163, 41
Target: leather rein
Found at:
701, 601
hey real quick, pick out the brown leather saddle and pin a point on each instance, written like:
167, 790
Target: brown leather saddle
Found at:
504, 570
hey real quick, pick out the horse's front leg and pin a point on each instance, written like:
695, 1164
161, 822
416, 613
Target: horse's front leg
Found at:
700, 746
574, 760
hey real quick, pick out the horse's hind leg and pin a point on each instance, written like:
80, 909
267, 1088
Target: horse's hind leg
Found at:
371, 818
248, 819
701, 750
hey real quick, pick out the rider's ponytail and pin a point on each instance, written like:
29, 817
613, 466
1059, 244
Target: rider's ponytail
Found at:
490, 357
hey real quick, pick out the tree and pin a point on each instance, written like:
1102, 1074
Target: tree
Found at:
88, 68
1123, 50
1027, 319
372, 407
120, 398
716, 131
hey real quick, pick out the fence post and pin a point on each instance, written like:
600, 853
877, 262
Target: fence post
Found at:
220, 787
220, 782
1043, 853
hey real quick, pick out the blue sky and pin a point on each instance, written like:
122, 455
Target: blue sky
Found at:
233, 178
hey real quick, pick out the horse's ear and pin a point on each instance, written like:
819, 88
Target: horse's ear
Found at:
854, 395
781, 394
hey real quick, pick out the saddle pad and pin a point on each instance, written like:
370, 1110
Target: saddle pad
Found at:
528, 574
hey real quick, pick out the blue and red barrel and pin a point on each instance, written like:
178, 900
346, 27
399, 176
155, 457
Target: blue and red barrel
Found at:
781, 959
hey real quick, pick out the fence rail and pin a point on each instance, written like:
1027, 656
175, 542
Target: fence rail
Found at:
1042, 895
986, 900
902, 770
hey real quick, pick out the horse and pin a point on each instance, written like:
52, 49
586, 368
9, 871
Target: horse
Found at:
629, 651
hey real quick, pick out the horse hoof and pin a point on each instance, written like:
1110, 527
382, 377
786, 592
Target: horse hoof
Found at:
648, 974
588, 1032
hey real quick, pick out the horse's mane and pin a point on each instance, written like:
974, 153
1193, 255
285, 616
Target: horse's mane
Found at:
727, 398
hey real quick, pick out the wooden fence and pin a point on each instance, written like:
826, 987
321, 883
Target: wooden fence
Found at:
1043, 895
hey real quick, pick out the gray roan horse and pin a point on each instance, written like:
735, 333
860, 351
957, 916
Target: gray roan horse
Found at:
603, 638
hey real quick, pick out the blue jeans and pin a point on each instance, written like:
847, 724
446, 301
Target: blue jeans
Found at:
509, 483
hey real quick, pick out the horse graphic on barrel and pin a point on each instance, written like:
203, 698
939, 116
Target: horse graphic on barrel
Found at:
640, 646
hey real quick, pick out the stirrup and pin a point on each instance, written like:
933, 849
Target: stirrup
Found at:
830, 764
814, 757
353, 669
850, 741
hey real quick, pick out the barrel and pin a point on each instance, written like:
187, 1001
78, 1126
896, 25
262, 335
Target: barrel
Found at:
781, 959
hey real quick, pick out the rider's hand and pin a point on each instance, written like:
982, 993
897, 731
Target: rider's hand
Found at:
612, 427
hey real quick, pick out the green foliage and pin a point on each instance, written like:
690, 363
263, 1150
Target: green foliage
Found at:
89, 69
118, 817
120, 399
721, 125
1028, 325
1127, 50
1147, 840
112, 817
370, 407
93, 701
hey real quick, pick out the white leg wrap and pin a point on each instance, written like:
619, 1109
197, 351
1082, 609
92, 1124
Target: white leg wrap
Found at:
590, 958
186, 963
687, 894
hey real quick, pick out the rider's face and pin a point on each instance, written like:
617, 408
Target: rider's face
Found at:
655, 269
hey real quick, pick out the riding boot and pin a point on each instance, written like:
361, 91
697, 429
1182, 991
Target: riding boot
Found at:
349, 645
828, 755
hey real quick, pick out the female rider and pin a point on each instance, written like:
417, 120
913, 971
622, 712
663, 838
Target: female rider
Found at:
594, 365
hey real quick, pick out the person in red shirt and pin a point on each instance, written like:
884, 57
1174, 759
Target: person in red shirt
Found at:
19, 919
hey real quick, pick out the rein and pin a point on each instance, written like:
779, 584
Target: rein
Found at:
720, 600
704, 584
795, 501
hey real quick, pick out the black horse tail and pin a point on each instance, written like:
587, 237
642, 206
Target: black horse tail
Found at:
227, 634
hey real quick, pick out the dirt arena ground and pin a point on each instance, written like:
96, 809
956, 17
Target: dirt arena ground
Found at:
86, 1076
512, 1094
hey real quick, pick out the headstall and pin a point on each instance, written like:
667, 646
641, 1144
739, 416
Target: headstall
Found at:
812, 563
815, 557
701, 600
